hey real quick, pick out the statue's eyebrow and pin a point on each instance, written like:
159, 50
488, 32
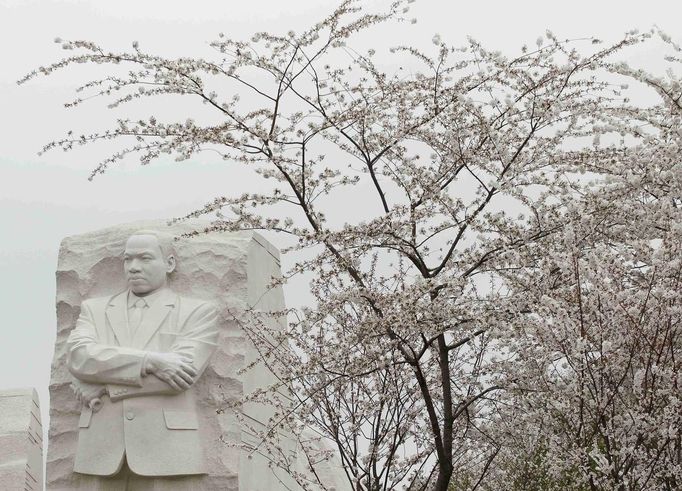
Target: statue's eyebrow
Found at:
139, 254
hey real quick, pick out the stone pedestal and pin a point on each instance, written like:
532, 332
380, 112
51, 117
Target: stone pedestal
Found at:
21, 441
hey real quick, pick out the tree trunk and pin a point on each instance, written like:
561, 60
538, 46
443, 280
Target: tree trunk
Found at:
444, 475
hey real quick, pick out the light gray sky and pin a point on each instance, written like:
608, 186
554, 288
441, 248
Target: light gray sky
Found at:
43, 199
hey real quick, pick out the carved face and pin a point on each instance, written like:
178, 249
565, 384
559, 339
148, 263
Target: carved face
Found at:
145, 265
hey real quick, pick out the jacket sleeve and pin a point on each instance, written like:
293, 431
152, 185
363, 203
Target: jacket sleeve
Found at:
90, 361
197, 339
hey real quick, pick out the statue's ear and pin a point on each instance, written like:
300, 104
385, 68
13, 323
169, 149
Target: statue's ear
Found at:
170, 264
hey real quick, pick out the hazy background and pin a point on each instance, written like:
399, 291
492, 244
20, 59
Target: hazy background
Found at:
43, 199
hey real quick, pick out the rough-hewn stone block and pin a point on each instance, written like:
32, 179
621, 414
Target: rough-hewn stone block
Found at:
21, 440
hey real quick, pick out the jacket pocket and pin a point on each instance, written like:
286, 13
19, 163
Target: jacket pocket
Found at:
180, 420
86, 416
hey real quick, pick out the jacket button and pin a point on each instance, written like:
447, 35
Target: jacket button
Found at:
130, 415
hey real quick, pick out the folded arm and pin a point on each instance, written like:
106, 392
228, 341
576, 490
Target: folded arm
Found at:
195, 343
125, 371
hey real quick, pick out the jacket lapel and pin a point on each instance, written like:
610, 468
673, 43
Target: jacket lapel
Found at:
154, 318
116, 313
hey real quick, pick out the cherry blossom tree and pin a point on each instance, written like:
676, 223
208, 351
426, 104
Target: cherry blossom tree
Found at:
601, 349
405, 356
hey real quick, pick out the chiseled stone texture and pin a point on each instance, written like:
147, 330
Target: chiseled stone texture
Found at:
232, 270
21, 441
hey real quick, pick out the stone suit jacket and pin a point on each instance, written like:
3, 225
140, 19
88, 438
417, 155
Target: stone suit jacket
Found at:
143, 419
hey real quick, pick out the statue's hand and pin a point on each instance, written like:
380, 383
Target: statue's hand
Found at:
174, 369
87, 392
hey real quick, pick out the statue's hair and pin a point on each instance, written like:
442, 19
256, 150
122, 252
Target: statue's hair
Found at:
166, 241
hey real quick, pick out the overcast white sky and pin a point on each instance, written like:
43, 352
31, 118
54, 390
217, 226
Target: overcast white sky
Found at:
43, 199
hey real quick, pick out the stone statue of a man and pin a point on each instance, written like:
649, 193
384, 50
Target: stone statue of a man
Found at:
136, 356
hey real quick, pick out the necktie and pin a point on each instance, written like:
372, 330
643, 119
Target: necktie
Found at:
136, 312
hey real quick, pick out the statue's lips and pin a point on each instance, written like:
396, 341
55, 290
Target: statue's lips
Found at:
137, 279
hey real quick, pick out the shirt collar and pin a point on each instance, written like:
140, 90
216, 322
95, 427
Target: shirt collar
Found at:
149, 299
